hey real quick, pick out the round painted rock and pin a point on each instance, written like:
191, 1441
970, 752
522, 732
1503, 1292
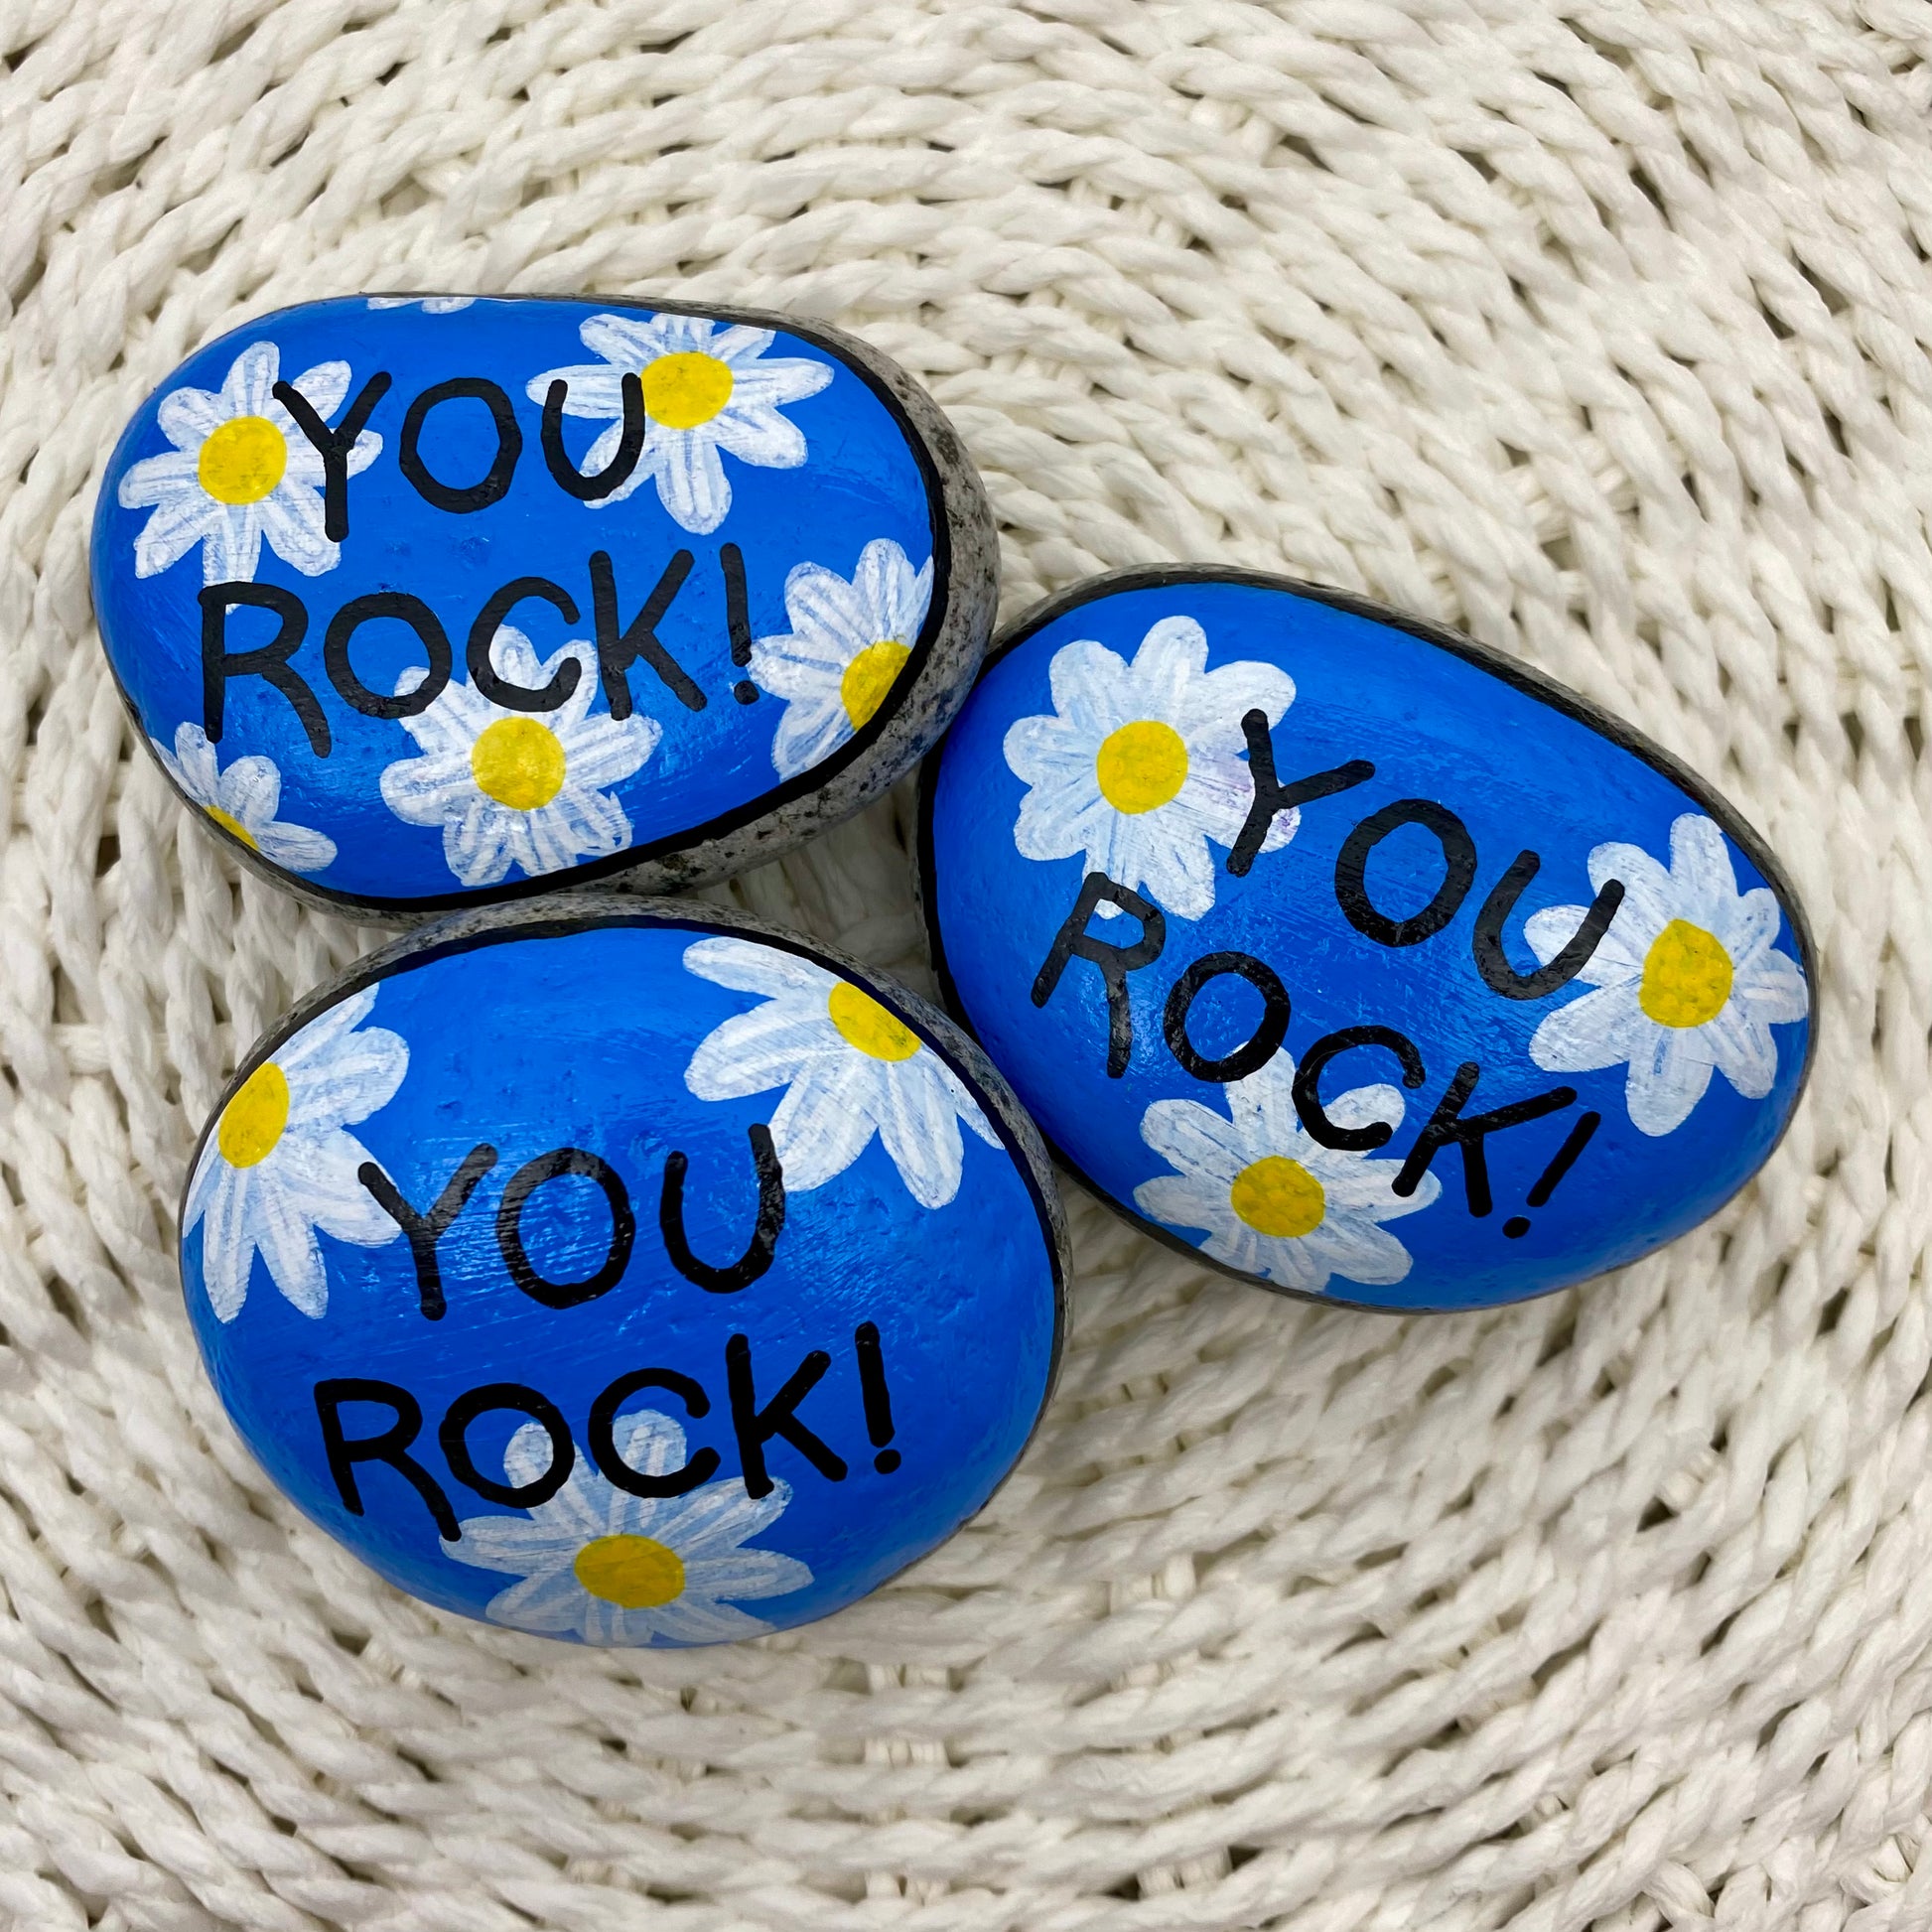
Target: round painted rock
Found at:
625, 1274
1350, 956
439, 601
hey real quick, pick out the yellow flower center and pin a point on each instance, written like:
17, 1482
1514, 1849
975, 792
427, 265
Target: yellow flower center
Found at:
862, 1022
243, 459
1141, 765
229, 823
1278, 1197
683, 390
635, 1573
1687, 976
519, 763
253, 1122
867, 679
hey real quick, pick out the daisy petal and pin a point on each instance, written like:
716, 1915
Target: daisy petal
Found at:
233, 544
748, 967
324, 387
1588, 1033
825, 610
749, 1574
754, 1052
187, 417
249, 791
626, 342
823, 1123
919, 1129
807, 734
1742, 1047
171, 531
785, 380
1700, 861
250, 386
295, 848
1665, 1082
1195, 1138
760, 436
691, 481
590, 389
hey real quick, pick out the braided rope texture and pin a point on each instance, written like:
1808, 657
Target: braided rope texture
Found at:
1598, 329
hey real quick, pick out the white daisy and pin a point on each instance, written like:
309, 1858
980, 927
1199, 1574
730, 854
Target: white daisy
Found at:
1143, 763
706, 387
518, 787
431, 305
279, 1167
851, 1068
242, 800
1686, 979
847, 644
597, 1562
1274, 1200
241, 471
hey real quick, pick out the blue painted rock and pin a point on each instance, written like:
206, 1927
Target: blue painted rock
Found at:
434, 603
1350, 956
624, 1275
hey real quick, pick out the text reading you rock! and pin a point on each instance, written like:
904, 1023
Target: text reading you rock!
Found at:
1350, 956
424, 604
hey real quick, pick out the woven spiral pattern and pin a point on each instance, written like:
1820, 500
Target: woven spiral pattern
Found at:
1598, 329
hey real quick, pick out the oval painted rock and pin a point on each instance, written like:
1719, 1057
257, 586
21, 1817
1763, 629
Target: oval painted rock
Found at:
431, 601
1350, 956
626, 1275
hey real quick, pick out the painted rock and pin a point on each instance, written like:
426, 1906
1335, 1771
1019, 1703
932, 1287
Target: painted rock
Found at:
1350, 956
626, 1275
439, 601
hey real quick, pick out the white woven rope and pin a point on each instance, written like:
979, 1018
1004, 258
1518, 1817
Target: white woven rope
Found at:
1601, 329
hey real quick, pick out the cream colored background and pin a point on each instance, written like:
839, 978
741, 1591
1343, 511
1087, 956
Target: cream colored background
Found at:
1601, 329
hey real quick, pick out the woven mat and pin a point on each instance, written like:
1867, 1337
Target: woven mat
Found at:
1599, 330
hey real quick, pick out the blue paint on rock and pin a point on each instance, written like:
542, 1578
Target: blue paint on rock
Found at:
913, 1286
780, 519
1106, 738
